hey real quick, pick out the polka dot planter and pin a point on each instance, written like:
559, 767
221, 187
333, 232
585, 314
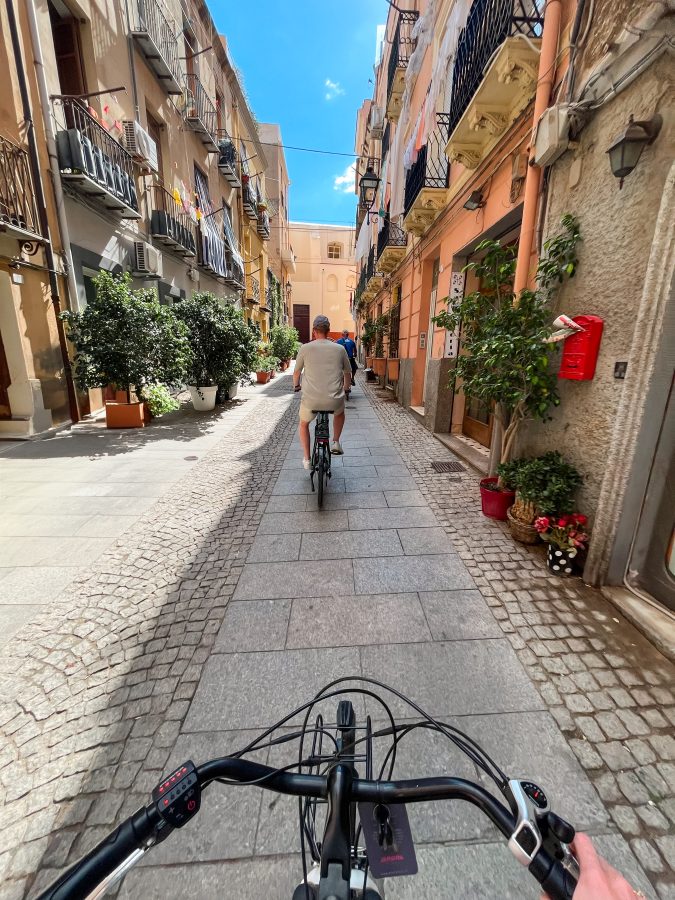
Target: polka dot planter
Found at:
560, 562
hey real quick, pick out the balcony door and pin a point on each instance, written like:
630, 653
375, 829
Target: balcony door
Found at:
68, 52
430, 331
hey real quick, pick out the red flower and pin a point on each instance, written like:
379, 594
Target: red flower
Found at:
580, 519
563, 521
543, 523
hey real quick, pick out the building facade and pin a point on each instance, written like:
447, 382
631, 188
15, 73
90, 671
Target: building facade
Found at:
153, 150
324, 280
280, 252
449, 132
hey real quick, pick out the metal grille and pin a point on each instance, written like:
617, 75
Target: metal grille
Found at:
431, 169
200, 107
148, 18
386, 137
402, 46
17, 194
490, 22
394, 329
390, 236
447, 466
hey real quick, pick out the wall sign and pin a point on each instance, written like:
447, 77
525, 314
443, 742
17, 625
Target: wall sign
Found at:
423, 340
457, 281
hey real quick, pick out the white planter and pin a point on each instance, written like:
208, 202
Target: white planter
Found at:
203, 398
233, 390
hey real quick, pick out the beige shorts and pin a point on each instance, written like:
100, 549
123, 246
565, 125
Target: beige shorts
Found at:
306, 414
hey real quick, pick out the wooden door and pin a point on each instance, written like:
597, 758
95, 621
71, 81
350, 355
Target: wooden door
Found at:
477, 422
301, 321
68, 53
5, 381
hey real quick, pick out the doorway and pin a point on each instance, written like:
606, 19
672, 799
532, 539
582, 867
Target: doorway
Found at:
5, 382
68, 52
430, 330
301, 321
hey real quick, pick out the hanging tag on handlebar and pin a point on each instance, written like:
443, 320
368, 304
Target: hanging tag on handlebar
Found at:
388, 838
178, 797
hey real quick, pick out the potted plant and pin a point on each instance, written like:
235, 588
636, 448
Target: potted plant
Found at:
263, 366
544, 485
505, 361
160, 401
368, 338
284, 343
223, 347
381, 331
566, 537
128, 340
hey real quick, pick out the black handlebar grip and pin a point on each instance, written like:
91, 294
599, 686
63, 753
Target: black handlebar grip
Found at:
558, 883
86, 874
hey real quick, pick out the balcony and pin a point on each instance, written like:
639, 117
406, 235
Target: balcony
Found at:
386, 139
18, 212
200, 113
249, 200
171, 225
426, 183
157, 41
374, 278
252, 290
263, 224
228, 161
234, 272
401, 50
92, 162
392, 244
211, 250
494, 75
288, 258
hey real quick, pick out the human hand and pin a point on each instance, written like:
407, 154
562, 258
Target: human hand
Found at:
598, 880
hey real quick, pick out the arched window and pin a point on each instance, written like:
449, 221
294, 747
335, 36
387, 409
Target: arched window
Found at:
332, 283
334, 251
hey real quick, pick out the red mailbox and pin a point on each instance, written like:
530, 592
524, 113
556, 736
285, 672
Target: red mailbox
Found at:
580, 350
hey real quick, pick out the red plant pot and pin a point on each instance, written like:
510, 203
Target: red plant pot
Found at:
263, 377
495, 503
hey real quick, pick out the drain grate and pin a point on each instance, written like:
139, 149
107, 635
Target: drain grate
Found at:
447, 466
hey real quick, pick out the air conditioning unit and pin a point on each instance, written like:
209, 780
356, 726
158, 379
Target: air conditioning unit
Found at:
146, 261
140, 145
376, 122
552, 138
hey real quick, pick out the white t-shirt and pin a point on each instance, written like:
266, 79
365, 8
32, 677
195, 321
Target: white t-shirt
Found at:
324, 365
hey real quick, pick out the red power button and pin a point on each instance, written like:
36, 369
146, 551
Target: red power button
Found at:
191, 805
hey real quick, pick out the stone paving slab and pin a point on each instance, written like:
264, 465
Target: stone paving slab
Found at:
350, 544
354, 484
253, 690
33, 585
360, 620
456, 678
254, 625
302, 485
458, 615
275, 548
405, 498
50, 551
301, 522
13, 617
416, 541
373, 500
411, 573
398, 517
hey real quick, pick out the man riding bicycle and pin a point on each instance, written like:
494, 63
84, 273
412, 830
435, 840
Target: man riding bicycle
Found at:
350, 347
327, 376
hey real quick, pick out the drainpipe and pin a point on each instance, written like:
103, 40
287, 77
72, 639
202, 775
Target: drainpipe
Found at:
547, 58
41, 208
41, 77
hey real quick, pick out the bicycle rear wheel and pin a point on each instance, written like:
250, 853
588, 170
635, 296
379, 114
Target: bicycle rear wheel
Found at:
321, 472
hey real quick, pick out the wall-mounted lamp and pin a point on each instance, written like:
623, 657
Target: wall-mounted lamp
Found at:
626, 150
368, 187
289, 290
475, 201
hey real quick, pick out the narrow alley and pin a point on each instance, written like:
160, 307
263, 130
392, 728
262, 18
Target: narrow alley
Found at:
230, 599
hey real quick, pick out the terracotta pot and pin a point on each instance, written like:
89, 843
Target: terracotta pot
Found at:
495, 503
125, 415
379, 366
369, 362
263, 377
392, 369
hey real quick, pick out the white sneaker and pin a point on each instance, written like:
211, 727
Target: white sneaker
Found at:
306, 463
336, 448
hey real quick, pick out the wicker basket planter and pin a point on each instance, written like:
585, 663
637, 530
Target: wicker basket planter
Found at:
525, 534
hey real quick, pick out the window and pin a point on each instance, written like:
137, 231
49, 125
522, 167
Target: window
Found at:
394, 321
334, 251
155, 132
332, 283
66, 35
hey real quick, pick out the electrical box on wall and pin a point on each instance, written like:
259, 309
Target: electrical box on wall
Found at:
580, 350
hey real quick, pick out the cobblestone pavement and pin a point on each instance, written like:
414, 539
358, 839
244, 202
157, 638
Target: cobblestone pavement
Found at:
232, 599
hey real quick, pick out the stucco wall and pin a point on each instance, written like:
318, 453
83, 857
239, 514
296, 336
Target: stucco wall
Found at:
617, 228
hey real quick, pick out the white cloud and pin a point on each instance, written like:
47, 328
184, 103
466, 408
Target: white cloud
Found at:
334, 89
346, 183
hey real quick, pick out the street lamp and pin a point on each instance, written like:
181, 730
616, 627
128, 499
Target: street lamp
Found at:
368, 187
626, 150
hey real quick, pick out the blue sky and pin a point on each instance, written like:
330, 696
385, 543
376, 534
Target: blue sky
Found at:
306, 65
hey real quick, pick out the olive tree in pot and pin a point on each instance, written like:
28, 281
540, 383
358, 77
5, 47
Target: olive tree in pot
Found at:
505, 338
223, 346
127, 339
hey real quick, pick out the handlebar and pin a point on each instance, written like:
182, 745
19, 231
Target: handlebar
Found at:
147, 826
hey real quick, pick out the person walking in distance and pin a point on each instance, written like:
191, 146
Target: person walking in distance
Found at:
325, 371
350, 347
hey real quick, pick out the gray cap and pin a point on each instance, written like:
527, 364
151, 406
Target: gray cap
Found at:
322, 323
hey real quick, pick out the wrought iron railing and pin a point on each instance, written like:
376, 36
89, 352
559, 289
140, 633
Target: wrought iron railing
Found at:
254, 289
234, 272
360, 288
490, 22
370, 265
249, 201
263, 224
199, 106
228, 158
386, 137
391, 235
170, 224
86, 148
394, 330
17, 193
402, 46
430, 170
148, 18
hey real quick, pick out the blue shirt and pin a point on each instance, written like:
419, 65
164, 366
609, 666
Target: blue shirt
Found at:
349, 346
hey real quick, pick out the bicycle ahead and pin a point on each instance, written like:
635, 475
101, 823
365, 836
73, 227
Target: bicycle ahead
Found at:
321, 455
366, 835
